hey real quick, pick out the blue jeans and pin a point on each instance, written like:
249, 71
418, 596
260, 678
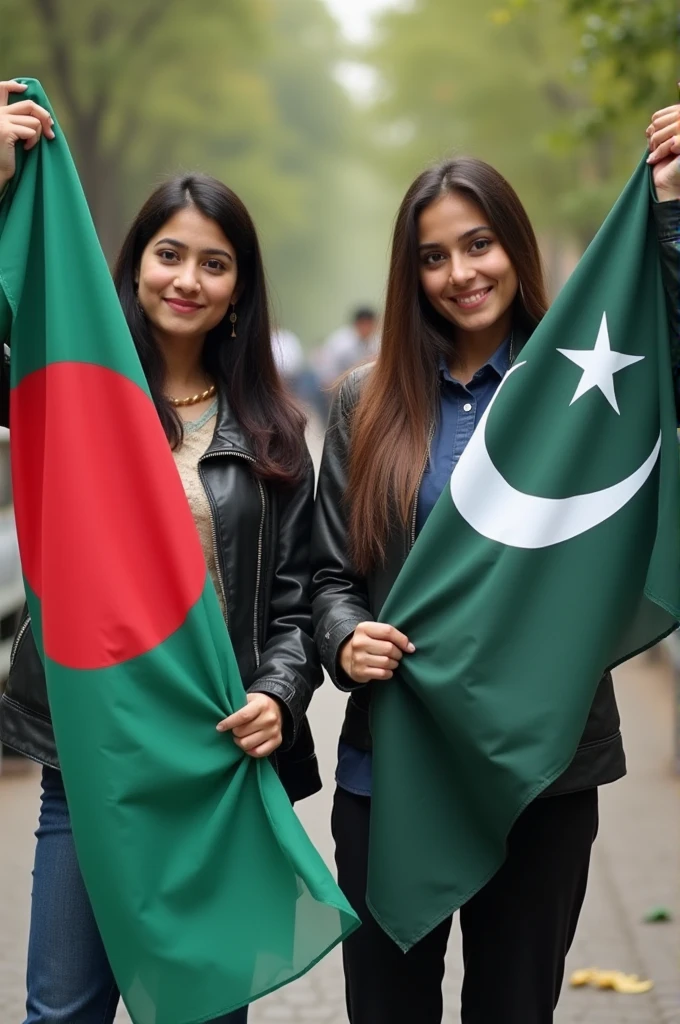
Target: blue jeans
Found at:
69, 978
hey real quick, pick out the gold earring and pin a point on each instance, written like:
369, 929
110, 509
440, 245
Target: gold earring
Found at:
233, 318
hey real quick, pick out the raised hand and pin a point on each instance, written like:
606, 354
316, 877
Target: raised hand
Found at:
23, 121
663, 135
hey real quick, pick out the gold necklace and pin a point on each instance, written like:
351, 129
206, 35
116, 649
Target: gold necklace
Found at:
194, 399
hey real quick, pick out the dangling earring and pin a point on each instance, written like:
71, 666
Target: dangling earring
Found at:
521, 294
233, 318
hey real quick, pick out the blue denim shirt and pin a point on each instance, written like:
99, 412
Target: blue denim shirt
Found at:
461, 407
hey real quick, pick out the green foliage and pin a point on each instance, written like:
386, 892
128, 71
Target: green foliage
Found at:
625, 69
555, 93
119, 74
512, 83
636, 42
242, 89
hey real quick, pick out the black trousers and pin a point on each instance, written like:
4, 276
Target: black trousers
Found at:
516, 930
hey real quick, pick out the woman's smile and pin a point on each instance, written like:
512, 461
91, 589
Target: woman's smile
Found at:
183, 306
472, 300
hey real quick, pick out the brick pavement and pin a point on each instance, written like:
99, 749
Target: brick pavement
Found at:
635, 866
18, 807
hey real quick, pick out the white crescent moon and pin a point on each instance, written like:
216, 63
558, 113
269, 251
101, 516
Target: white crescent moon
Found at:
496, 510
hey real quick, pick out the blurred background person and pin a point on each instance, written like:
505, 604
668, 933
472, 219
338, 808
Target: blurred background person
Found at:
289, 356
346, 347
349, 345
299, 375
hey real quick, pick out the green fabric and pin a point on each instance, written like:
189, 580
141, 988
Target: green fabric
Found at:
206, 890
512, 637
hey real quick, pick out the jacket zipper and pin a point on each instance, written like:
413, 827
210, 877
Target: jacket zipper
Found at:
18, 638
420, 480
213, 528
258, 576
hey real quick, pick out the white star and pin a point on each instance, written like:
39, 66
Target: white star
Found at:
599, 366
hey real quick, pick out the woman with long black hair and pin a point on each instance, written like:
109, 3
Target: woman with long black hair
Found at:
465, 291
191, 283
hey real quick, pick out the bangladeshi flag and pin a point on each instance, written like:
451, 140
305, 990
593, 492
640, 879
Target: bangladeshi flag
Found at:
553, 555
206, 890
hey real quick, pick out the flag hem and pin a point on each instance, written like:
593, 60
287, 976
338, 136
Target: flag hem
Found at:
268, 992
345, 932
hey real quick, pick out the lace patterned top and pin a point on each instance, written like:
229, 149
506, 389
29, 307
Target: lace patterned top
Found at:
197, 437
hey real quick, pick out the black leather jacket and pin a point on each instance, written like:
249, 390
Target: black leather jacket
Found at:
341, 599
262, 539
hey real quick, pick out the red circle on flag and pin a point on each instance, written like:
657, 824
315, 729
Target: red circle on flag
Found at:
108, 543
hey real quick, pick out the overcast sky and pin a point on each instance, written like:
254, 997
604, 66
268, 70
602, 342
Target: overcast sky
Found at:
355, 15
355, 19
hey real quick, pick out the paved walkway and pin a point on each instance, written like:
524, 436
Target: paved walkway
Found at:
635, 866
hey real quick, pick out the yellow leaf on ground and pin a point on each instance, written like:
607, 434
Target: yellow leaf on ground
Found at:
626, 984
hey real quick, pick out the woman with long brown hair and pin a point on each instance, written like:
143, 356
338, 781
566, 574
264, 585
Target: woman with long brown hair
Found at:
465, 292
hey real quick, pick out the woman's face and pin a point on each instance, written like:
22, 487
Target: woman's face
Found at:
464, 271
187, 276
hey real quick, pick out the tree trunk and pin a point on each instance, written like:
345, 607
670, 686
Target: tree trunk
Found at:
100, 174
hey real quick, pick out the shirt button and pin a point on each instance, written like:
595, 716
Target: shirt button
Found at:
467, 407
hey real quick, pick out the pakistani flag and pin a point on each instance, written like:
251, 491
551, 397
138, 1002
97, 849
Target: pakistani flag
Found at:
553, 555
206, 890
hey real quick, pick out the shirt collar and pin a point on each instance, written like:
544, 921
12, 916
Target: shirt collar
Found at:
499, 362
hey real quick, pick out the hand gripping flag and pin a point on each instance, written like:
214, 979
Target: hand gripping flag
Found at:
553, 555
205, 888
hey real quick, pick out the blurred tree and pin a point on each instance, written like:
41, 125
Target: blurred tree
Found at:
624, 69
634, 43
317, 142
128, 75
471, 79
242, 89
510, 82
